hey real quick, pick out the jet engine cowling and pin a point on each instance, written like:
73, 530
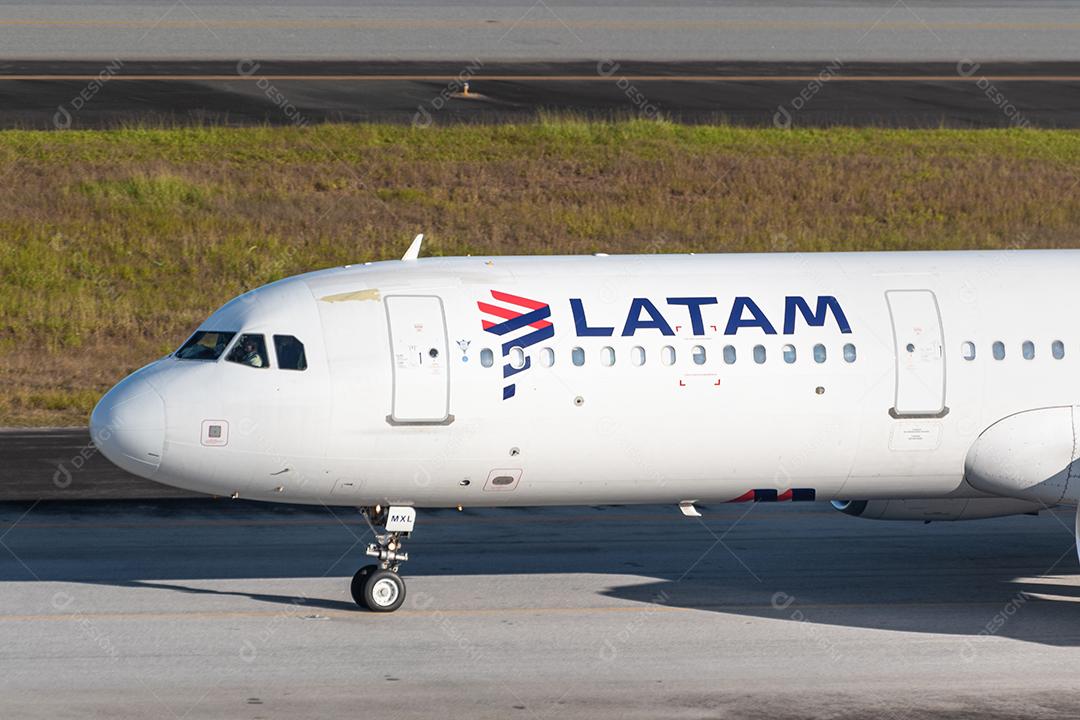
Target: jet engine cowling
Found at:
1030, 455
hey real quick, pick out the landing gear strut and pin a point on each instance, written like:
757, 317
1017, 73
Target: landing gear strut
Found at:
379, 587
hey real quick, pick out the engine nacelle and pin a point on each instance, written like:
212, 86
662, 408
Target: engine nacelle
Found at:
1030, 455
936, 509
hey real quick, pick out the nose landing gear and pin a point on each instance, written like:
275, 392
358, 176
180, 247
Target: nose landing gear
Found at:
379, 587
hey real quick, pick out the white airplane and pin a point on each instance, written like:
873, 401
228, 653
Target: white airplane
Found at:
917, 386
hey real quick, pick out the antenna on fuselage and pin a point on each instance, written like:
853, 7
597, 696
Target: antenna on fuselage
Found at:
414, 250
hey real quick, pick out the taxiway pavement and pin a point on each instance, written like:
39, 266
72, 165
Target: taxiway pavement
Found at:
183, 608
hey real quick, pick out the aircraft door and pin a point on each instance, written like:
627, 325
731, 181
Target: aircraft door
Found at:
420, 357
919, 343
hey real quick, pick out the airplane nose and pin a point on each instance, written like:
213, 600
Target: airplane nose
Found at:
128, 426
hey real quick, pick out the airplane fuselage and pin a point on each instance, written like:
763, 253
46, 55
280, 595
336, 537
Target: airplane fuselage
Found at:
622, 379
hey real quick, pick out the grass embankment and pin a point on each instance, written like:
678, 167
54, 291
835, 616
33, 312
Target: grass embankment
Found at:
115, 245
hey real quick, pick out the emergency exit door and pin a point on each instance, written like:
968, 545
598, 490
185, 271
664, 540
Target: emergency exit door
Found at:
418, 349
920, 353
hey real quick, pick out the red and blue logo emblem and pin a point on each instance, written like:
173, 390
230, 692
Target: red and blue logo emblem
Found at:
520, 323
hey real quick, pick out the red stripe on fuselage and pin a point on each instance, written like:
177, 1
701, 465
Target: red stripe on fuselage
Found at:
509, 314
515, 299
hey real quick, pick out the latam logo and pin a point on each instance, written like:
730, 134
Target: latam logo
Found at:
519, 322
743, 314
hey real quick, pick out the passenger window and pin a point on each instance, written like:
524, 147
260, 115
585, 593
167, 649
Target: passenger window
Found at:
819, 353
729, 354
1028, 350
698, 354
759, 354
1057, 348
205, 345
607, 356
849, 353
999, 350
789, 354
249, 350
547, 357
577, 356
967, 350
517, 358
290, 353
637, 356
487, 358
667, 355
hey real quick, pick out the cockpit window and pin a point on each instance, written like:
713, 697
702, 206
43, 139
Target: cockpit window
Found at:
205, 345
249, 350
290, 353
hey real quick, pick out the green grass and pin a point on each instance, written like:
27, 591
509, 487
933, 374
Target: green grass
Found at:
115, 244
161, 192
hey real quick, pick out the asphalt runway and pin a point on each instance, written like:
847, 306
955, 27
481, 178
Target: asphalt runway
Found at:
62, 464
86, 94
181, 608
529, 30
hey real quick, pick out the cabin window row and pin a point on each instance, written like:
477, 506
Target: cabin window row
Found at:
668, 355
998, 350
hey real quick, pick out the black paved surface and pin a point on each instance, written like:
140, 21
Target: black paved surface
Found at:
815, 94
63, 464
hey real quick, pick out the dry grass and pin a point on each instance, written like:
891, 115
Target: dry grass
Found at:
116, 244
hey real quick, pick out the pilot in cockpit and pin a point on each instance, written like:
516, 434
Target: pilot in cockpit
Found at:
249, 351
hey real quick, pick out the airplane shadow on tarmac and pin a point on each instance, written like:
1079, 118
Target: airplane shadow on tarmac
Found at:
1009, 577
1005, 582
298, 601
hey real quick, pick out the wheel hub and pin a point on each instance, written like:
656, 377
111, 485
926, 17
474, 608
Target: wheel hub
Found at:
384, 592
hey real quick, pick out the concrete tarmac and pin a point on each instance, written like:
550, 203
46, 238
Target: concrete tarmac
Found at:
546, 30
180, 608
83, 65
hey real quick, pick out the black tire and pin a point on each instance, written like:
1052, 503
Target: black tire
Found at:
358, 581
384, 591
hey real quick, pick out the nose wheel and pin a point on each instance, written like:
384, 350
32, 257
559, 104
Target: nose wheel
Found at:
378, 587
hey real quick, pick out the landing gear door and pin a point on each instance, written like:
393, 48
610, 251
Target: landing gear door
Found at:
420, 357
920, 353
